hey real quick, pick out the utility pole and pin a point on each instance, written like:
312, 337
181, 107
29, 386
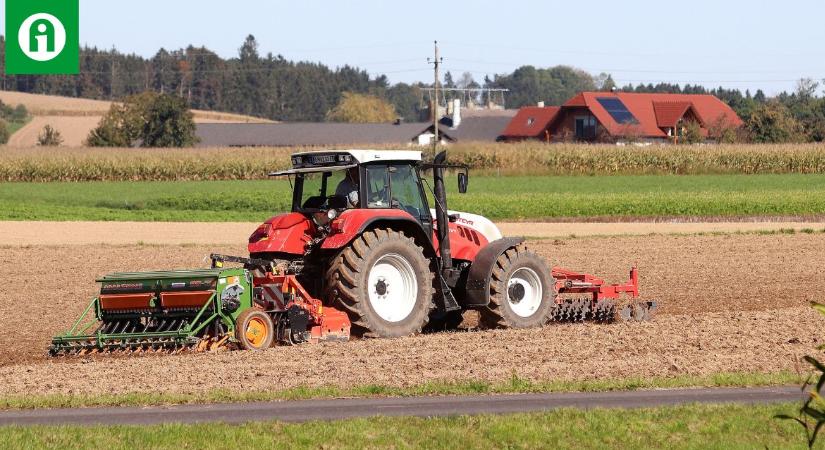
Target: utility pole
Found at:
435, 62
112, 80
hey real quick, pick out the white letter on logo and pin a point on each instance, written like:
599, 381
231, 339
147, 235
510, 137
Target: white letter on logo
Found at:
41, 52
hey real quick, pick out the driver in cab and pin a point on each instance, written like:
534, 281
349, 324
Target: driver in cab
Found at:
348, 187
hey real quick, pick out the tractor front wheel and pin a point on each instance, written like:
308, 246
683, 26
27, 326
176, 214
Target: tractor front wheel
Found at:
384, 283
522, 293
254, 330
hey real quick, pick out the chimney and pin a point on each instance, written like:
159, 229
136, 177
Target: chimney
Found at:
456, 113
540, 104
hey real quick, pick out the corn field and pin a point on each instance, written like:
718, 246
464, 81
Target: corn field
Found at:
86, 164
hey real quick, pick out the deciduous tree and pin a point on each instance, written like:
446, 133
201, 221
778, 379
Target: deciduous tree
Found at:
360, 108
773, 123
148, 119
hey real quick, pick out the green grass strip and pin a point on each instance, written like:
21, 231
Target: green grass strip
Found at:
469, 387
680, 427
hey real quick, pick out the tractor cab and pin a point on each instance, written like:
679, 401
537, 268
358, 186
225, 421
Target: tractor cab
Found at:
326, 184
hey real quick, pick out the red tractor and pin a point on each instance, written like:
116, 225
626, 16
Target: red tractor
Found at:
361, 252
362, 239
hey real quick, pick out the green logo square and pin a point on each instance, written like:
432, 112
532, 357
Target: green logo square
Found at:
42, 37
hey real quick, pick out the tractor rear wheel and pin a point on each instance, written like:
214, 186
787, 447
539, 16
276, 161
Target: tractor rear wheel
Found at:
384, 283
522, 293
254, 330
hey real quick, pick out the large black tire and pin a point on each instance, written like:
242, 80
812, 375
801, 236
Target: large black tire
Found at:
371, 304
515, 301
254, 330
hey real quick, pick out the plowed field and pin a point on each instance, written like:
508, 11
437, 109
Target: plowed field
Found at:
727, 303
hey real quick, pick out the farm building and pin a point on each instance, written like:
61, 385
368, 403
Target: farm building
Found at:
599, 116
306, 134
471, 124
472, 129
482, 125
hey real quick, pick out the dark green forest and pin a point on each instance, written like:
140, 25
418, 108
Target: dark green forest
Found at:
273, 87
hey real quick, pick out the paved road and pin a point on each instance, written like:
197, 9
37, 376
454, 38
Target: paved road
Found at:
304, 410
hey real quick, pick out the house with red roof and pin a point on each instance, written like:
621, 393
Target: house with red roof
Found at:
530, 122
616, 116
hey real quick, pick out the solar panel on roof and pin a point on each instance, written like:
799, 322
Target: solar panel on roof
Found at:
617, 110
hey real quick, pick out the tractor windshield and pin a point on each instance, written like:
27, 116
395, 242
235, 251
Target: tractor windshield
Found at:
318, 190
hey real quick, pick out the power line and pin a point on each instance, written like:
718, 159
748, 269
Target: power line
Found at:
102, 53
703, 55
590, 69
477, 72
123, 70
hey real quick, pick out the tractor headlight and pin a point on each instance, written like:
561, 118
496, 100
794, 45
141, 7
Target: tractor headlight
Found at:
296, 161
323, 218
345, 158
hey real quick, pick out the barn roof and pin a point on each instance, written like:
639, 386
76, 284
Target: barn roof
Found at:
481, 128
305, 134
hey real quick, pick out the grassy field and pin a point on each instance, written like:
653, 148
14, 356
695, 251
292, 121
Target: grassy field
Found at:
14, 126
528, 158
499, 198
693, 426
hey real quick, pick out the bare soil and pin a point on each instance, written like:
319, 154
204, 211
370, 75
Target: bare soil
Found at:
727, 303
73, 129
173, 233
765, 341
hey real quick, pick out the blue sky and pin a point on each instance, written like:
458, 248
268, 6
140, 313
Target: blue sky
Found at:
744, 44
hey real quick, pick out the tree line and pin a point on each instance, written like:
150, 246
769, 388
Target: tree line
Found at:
270, 86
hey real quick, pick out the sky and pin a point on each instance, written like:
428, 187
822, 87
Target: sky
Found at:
742, 44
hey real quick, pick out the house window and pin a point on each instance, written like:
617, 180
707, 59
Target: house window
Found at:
530, 121
585, 127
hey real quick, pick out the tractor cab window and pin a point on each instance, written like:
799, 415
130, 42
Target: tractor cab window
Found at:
378, 187
406, 190
317, 189
395, 186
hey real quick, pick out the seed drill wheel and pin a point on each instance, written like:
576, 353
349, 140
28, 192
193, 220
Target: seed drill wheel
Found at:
521, 291
384, 283
254, 330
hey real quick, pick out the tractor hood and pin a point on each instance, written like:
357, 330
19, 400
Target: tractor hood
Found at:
481, 224
285, 233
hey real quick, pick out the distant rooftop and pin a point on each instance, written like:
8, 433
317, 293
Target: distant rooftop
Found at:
306, 134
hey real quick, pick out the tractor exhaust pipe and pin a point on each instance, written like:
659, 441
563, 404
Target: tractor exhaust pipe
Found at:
441, 216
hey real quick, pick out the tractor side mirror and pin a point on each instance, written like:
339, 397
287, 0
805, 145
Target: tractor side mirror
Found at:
463, 180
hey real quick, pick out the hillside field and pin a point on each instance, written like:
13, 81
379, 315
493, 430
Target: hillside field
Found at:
74, 118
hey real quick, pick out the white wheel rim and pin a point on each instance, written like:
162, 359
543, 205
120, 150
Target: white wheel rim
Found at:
527, 279
393, 287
